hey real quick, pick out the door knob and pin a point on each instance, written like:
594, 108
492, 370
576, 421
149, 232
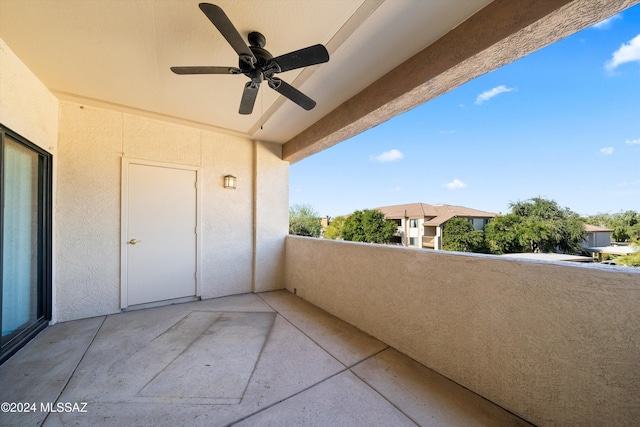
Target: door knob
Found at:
134, 241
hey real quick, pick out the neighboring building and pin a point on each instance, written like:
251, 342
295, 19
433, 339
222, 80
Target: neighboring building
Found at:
421, 225
324, 222
598, 242
596, 236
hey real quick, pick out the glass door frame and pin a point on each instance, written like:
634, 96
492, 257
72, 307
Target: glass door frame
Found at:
45, 246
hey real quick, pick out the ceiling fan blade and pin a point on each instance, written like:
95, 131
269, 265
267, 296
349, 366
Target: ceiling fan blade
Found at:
248, 98
285, 89
311, 55
218, 18
205, 70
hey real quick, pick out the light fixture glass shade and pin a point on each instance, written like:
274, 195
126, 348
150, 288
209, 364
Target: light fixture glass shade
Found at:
230, 181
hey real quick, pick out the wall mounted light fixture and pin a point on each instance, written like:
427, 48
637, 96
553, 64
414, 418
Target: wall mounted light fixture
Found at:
230, 182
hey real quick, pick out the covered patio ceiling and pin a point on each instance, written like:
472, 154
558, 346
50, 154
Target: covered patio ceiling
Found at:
387, 56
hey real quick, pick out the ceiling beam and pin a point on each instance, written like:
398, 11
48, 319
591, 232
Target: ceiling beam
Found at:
500, 33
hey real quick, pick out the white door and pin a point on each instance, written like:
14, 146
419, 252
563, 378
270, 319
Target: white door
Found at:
160, 233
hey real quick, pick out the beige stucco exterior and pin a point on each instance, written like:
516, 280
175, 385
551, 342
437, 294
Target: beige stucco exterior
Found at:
92, 143
26, 105
271, 217
555, 344
242, 245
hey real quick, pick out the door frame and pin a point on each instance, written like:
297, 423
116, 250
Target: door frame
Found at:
45, 242
124, 220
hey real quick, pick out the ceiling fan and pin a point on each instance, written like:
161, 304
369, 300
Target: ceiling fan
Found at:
257, 63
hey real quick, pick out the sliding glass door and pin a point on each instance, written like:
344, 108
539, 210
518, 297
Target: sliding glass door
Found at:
25, 222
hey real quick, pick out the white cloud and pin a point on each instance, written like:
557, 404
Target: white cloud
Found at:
628, 52
633, 141
628, 184
606, 150
455, 184
487, 95
607, 23
446, 132
388, 156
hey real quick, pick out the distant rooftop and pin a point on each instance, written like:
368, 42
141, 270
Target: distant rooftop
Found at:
614, 249
550, 257
433, 214
594, 228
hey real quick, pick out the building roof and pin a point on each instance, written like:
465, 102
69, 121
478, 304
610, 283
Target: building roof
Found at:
434, 215
550, 257
594, 228
614, 249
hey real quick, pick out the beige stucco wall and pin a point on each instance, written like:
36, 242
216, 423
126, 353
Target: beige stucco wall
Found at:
88, 207
26, 105
227, 216
555, 344
271, 216
92, 142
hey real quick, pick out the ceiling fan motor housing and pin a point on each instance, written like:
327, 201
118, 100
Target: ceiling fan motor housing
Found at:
257, 39
263, 66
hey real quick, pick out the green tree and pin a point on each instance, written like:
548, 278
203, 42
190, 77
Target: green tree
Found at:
503, 234
537, 207
536, 225
459, 235
304, 221
368, 226
334, 229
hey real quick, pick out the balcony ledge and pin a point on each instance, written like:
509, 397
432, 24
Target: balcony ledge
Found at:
556, 343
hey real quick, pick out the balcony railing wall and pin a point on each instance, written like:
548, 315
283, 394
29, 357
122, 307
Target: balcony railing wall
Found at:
557, 344
429, 242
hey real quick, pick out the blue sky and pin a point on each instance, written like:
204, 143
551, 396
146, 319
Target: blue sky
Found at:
562, 123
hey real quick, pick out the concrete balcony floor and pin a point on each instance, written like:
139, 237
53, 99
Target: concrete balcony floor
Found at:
246, 360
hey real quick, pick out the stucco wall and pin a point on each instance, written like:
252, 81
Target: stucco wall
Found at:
271, 216
227, 216
92, 143
555, 344
602, 239
88, 209
26, 105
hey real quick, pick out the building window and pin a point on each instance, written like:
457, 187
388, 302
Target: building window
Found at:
396, 240
413, 223
25, 246
413, 241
